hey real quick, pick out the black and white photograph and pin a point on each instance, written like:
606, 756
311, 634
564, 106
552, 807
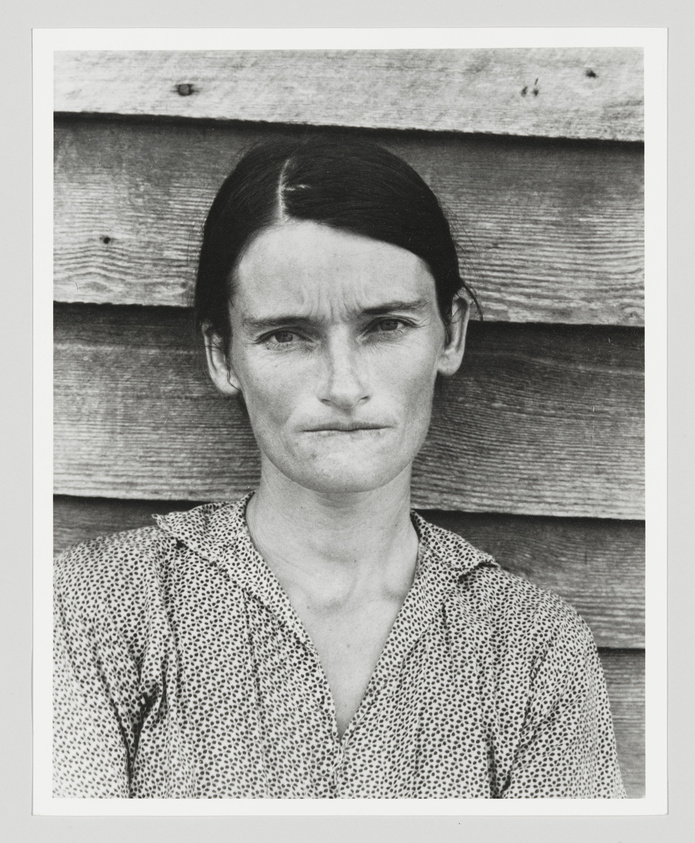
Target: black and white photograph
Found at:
349, 425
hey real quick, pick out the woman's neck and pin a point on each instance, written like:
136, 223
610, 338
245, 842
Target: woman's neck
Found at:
335, 548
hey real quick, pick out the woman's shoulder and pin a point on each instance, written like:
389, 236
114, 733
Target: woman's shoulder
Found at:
127, 565
528, 626
113, 552
518, 608
108, 571
509, 605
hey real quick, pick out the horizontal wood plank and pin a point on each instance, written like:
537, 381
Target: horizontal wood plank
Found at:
624, 672
576, 93
597, 566
548, 231
541, 420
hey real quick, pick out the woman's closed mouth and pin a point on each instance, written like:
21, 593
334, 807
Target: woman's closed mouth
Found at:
344, 427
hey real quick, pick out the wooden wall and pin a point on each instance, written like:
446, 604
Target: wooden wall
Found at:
536, 448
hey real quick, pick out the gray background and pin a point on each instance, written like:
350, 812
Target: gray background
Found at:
17, 822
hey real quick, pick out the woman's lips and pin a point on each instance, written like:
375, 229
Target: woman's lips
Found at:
346, 428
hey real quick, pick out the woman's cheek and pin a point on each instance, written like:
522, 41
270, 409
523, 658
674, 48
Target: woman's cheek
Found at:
416, 381
265, 380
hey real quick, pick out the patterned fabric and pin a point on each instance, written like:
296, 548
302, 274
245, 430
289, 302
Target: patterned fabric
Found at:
182, 670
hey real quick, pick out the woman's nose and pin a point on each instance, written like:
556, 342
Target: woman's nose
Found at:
345, 380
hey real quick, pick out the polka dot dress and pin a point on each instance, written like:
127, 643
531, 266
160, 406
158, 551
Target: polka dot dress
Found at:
182, 670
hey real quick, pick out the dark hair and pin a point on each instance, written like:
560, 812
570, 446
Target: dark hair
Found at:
348, 184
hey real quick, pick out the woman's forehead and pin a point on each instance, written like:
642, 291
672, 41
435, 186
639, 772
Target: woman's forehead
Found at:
310, 265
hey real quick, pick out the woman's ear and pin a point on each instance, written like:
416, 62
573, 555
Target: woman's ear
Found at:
452, 353
219, 363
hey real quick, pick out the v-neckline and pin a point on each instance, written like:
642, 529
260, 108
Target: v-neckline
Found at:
219, 532
420, 605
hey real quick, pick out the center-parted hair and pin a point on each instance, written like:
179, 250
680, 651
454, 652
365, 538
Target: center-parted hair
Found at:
348, 184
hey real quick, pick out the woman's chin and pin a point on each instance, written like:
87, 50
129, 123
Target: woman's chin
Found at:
343, 477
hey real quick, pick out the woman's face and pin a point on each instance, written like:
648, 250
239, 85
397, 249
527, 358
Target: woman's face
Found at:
336, 344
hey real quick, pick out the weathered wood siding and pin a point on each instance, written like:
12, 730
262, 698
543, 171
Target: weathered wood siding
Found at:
536, 447
568, 93
548, 231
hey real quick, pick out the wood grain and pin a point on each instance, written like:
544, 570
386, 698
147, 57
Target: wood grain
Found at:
597, 566
576, 93
624, 672
541, 420
77, 520
548, 231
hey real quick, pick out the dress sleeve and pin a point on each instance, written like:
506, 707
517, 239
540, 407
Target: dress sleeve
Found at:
567, 746
89, 756
95, 682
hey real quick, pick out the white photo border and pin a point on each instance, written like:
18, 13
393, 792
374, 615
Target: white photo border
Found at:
653, 41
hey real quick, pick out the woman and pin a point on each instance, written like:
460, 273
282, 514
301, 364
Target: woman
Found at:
317, 638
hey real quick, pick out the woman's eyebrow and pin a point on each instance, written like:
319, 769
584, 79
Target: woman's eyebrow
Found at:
400, 305
268, 322
273, 321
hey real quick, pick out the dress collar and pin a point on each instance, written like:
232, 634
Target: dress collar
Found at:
213, 529
219, 533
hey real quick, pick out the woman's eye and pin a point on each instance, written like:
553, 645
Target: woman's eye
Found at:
283, 337
279, 338
389, 325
